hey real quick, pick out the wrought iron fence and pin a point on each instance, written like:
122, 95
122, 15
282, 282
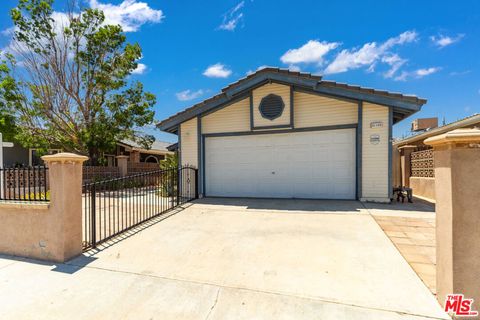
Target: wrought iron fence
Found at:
421, 164
24, 184
111, 207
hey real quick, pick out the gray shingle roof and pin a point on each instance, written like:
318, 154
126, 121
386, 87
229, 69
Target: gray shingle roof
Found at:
156, 145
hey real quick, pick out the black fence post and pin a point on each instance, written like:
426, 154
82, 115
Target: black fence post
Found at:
93, 223
196, 184
178, 185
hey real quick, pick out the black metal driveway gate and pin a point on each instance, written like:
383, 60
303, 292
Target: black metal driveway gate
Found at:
111, 207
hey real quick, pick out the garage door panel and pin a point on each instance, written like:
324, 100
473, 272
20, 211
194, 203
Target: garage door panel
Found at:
317, 164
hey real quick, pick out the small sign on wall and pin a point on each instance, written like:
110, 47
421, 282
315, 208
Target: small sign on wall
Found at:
376, 124
375, 139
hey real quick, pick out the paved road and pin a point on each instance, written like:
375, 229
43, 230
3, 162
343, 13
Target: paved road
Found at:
230, 259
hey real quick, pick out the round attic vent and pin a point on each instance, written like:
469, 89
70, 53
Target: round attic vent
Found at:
271, 106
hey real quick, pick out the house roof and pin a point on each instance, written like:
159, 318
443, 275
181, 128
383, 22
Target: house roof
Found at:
469, 121
173, 147
404, 105
157, 146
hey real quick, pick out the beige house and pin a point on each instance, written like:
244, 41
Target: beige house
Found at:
283, 134
413, 160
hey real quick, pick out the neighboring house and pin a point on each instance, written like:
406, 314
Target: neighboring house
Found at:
413, 160
138, 153
18, 155
283, 134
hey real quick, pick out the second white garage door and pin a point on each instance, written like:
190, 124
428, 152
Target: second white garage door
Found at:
315, 164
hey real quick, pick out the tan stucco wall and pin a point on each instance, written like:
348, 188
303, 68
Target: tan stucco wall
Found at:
189, 143
375, 156
423, 187
50, 231
312, 110
275, 88
234, 118
457, 191
396, 168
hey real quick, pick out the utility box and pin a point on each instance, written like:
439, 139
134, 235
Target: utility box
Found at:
424, 124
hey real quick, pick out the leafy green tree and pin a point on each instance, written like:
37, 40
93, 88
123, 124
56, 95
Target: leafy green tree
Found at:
7, 102
170, 161
72, 89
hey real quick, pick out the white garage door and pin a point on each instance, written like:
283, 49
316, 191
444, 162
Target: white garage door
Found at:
315, 164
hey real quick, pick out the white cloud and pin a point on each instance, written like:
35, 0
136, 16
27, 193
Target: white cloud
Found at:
217, 70
249, 72
370, 54
395, 63
232, 17
419, 73
460, 73
442, 41
130, 14
426, 71
311, 52
140, 69
187, 95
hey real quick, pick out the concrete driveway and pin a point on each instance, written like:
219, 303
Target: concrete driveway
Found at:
230, 259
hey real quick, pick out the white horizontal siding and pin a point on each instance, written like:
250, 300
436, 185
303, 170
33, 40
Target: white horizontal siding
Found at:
189, 143
375, 156
233, 118
312, 110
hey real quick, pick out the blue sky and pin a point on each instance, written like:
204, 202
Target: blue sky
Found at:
191, 49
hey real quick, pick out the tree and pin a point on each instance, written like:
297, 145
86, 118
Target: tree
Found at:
73, 87
7, 87
170, 161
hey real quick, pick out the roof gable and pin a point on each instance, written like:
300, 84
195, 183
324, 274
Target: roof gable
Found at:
404, 105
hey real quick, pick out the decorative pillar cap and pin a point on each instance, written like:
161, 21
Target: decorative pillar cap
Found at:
455, 136
64, 157
122, 157
407, 146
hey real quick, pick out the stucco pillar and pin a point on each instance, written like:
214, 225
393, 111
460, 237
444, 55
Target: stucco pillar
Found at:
406, 157
122, 164
457, 190
65, 175
396, 168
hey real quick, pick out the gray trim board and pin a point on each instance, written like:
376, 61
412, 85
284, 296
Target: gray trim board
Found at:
204, 189
278, 126
359, 152
390, 147
251, 110
179, 146
245, 133
292, 119
199, 155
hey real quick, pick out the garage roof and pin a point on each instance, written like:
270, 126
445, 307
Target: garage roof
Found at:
403, 105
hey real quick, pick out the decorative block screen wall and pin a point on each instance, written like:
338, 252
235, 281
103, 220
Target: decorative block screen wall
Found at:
422, 164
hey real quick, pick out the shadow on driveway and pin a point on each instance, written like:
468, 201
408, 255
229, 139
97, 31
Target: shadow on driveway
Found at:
303, 205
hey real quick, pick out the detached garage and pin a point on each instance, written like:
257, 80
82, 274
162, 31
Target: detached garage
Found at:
282, 134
